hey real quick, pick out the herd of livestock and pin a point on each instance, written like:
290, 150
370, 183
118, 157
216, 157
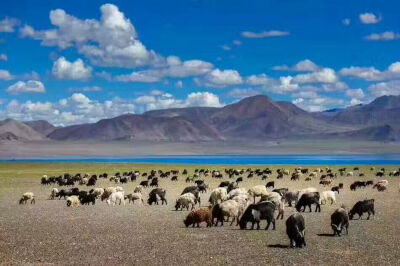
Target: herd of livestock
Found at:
228, 201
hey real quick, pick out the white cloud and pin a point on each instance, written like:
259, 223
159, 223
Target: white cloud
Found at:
86, 89
5, 75
325, 75
31, 86
306, 94
31, 76
226, 47
264, 34
242, 93
3, 57
174, 68
221, 78
237, 42
355, 94
205, 99
384, 36
355, 101
385, 88
63, 69
369, 18
318, 104
302, 66
346, 22
371, 73
8, 24
337, 86
260, 79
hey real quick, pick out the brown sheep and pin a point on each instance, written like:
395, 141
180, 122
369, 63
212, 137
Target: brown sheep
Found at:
198, 216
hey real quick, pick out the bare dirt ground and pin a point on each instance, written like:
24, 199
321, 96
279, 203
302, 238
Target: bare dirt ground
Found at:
51, 233
42, 149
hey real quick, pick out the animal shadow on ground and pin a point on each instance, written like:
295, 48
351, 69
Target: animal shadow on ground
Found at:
328, 235
278, 246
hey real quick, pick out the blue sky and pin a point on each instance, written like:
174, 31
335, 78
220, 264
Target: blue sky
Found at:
81, 61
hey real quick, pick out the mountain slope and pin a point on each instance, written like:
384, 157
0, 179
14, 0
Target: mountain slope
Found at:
15, 129
41, 126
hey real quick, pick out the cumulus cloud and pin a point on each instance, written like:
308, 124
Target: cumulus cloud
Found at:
63, 69
5, 75
385, 88
355, 94
86, 89
31, 86
371, 73
318, 104
302, 66
8, 24
260, 79
242, 93
325, 75
3, 57
206, 99
384, 36
369, 18
264, 34
220, 78
173, 68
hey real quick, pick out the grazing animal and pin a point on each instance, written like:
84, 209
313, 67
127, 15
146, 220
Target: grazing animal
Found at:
339, 220
27, 196
336, 188
258, 191
116, 197
290, 197
138, 189
326, 196
341, 185
144, 183
361, 207
295, 229
198, 216
87, 199
307, 199
97, 192
135, 196
157, 194
257, 212
154, 182
185, 200
53, 193
228, 208
73, 201
270, 184
218, 194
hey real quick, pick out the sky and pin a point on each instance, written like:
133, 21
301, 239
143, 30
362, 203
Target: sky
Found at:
71, 62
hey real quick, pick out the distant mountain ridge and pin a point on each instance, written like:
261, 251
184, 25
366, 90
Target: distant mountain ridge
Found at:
257, 117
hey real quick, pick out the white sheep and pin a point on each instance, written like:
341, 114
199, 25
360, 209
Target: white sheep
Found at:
27, 196
107, 192
236, 192
258, 191
326, 196
83, 181
98, 192
73, 201
138, 189
116, 197
218, 194
185, 200
350, 174
119, 189
231, 208
53, 193
135, 196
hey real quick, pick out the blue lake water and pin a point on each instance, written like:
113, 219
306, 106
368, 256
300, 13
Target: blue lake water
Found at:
298, 159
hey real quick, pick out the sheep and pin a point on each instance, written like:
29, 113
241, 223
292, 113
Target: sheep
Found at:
97, 192
27, 196
115, 197
336, 188
350, 174
107, 192
83, 181
275, 198
218, 194
138, 189
135, 196
380, 187
237, 192
258, 191
339, 220
155, 195
185, 200
53, 193
257, 212
270, 184
327, 195
229, 208
198, 216
307, 199
87, 198
290, 197
361, 207
73, 201
295, 229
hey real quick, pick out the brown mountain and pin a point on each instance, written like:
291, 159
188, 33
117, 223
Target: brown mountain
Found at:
41, 126
12, 129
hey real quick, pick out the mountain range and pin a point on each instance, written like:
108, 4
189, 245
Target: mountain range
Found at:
253, 118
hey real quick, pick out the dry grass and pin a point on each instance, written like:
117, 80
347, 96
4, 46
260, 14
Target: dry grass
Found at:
51, 233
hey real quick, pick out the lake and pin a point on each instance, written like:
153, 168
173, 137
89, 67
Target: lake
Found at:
295, 159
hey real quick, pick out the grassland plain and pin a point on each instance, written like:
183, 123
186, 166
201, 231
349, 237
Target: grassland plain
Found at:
50, 233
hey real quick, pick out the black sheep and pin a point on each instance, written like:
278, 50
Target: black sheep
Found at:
87, 199
154, 182
270, 184
307, 199
257, 212
144, 183
361, 207
336, 188
295, 229
339, 220
155, 194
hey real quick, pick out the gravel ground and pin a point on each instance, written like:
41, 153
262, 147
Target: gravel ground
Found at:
50, 233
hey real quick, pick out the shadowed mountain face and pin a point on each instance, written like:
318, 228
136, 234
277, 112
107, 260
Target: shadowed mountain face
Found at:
256, 117
13, 130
